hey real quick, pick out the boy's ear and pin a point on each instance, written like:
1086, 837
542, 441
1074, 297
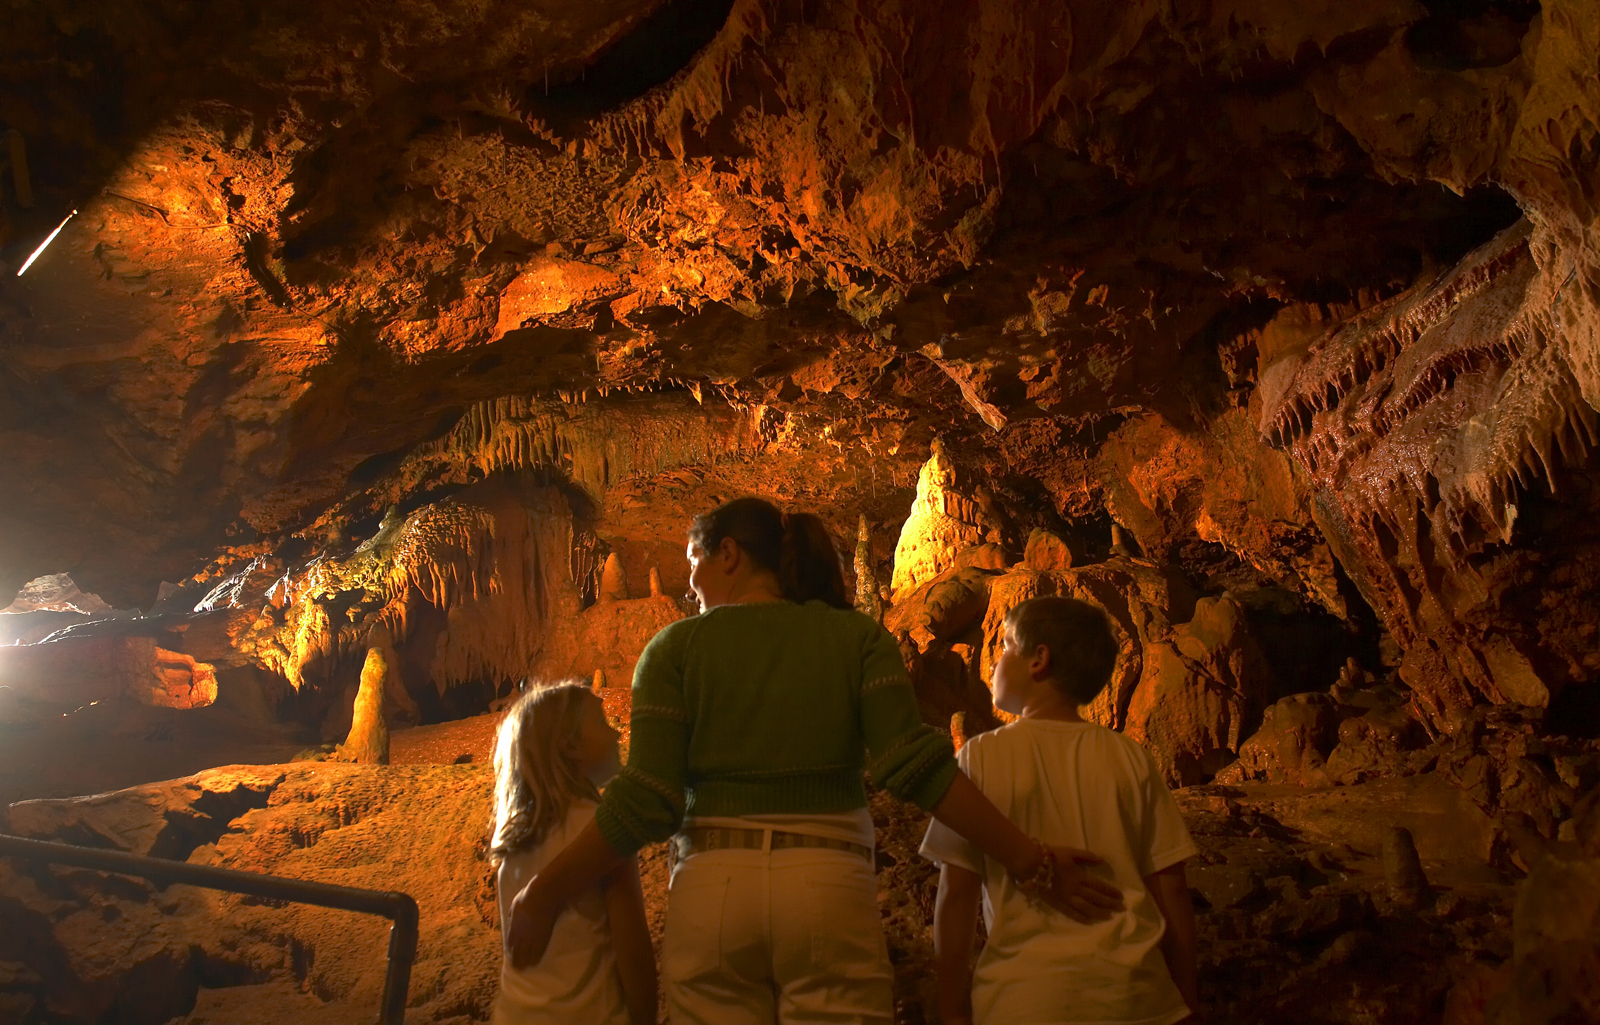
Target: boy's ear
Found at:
1040, 664
728, 553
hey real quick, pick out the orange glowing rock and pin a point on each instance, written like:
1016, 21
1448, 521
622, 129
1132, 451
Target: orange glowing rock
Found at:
943, 523
179, 681
552, 286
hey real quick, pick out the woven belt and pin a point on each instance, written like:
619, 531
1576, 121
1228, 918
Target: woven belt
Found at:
700, 839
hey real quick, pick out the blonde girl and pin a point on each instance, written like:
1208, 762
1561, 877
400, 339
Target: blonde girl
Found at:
553, 752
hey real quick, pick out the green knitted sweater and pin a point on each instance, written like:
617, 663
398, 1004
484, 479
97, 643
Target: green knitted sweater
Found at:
769, 708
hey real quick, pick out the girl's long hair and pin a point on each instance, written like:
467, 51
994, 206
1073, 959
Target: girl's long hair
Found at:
535, 781
795, 546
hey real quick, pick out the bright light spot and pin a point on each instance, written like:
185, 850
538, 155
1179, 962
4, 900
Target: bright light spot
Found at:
49, 239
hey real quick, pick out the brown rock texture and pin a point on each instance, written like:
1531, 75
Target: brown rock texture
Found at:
140, 954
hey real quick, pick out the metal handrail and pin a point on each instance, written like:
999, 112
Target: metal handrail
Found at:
399, 908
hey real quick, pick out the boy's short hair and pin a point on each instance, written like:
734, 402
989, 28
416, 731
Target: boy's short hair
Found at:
1083, 651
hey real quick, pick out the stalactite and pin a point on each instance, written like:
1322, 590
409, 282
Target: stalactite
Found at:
598, 446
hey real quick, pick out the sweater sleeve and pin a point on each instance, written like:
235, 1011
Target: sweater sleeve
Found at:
910, 759
645, 802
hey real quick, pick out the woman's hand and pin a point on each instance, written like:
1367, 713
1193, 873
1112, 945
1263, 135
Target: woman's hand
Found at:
1078, 894
533, 919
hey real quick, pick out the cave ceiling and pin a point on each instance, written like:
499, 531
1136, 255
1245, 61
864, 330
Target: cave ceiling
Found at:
332, 257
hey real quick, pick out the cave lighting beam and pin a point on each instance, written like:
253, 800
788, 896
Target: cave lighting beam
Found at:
42, 245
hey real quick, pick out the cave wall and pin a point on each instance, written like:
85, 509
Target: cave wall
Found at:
1134, 266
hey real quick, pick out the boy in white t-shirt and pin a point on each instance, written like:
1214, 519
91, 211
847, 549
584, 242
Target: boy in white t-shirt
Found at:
1072, 783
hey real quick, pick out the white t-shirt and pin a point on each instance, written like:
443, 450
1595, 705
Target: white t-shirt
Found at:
1072, 785
576, 981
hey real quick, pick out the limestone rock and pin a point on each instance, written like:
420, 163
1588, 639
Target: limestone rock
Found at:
1198, 692
1375, 744
1293, 743
988, 556
56, 677
1402, 868
607, 637
942, 609
180, 681
1047, 553
1472, 455
1557, 934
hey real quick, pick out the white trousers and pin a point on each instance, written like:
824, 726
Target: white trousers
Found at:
788, 936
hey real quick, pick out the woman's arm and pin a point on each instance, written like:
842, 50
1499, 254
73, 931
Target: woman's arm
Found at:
1076, 894
916, 763
1179, 946
581, 865
955, 921
630, 937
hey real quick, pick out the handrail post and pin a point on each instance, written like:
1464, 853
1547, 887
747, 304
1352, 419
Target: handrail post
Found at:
402, 953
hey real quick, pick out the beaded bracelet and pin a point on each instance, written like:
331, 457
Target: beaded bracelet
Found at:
1042, 881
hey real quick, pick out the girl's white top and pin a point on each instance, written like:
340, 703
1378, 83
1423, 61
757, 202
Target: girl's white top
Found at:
577, 979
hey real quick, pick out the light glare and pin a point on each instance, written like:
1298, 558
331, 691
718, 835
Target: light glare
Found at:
49, 239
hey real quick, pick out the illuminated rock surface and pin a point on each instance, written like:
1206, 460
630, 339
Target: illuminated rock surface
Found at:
1270, 328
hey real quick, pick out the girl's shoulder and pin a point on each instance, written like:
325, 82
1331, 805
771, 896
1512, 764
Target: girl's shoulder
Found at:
579, 814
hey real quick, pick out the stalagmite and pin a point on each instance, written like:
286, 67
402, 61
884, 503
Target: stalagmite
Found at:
613, 582
655, 582
1402, 869
945, 519
368, 742
866, 577
598, 684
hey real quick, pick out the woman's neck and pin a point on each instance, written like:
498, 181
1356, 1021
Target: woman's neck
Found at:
752, 590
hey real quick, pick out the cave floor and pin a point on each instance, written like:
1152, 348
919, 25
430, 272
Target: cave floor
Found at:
1297, 922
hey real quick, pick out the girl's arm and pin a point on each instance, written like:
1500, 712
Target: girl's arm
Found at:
1170, 890
955, 921
630, 937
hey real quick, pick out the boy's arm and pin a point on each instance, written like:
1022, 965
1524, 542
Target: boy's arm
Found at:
630, 937
955, 923
1170, 889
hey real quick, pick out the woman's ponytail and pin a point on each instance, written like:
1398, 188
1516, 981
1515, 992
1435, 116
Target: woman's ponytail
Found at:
810, 567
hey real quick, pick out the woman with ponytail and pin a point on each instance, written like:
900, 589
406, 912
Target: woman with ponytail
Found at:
752, 725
